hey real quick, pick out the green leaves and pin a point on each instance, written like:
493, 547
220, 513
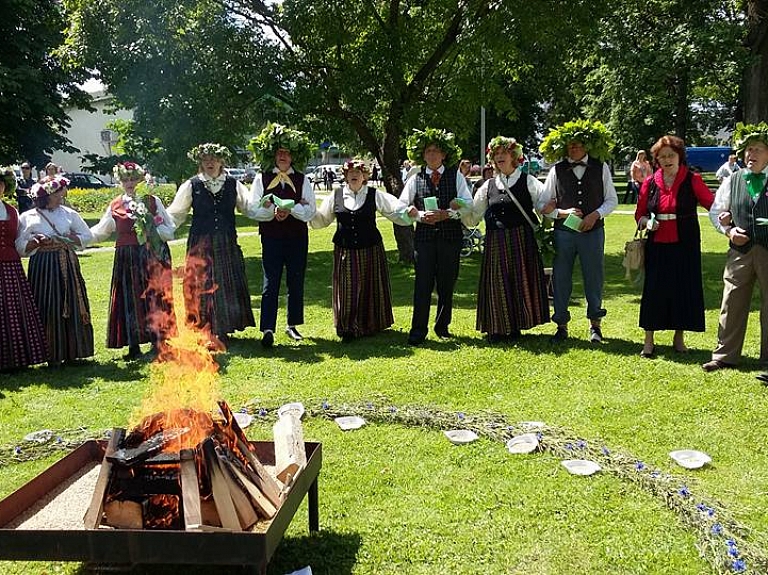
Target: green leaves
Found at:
591, 133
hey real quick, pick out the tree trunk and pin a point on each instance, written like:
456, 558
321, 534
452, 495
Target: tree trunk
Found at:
682, 113
393, 182
754, 94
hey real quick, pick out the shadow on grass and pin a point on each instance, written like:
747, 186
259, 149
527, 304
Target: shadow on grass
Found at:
81, 373
326, 552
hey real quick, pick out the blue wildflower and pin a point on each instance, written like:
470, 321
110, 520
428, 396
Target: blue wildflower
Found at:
460, 415
683, 491
392, 409
639, 466
243, 409
730, 542
710, 512
701, 507
606, 451
539, 435
569, 446
581, 444
739, 566
59, 439
717, 529
733, 552
369, 405
262, 412
655, 474
326, 405
17, 450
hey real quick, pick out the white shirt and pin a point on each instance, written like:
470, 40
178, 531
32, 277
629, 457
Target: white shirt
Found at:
107, 226
722, 201
610, 198
462, 191
535, 190
182, 202
300, 211
65, 220
386, 204
726, 170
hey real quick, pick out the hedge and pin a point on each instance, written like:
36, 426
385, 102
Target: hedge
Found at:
96, 201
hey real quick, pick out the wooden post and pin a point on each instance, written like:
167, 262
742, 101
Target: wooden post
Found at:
92, 518
221, 497
190, 490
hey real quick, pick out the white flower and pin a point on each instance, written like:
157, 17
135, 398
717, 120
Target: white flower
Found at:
141, 209
132, 206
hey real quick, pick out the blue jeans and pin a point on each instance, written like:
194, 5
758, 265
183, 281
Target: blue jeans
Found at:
590, 247
277, 254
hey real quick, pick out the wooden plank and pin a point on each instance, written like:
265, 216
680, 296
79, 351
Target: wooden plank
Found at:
261, 477
124, 514
92, 517
260, 502
220, 487
290, 451
245, 511
190, 490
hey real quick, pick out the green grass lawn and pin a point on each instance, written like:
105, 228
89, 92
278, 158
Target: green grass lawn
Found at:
400, 498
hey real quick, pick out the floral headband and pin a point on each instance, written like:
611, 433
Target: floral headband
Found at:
128, 171
9, 177
276, 137
356, 165
209, 149
592, 134
48, 185
508, 144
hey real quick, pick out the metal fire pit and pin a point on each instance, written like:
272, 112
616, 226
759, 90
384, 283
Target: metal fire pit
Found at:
128, 547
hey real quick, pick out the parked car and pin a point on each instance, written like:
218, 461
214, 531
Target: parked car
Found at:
317, 173
237, 173
531, 166
86, 181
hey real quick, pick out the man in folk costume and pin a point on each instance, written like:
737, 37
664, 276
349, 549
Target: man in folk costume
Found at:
215, 286
579, 193
431, 195
283, 203
740, 211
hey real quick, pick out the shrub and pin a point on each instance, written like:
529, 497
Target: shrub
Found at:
96, 201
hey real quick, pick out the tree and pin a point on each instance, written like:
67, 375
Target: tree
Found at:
755, 79
191, 71
36, 81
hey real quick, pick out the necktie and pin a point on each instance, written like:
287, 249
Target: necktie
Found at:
435, 178
754, 183
281, 178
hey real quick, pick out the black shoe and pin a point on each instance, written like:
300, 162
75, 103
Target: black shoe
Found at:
347, 337
763, 378
293, 333
415, 340
267, 339
495, 338
134, 352
595, 334
560, 335
515, 335
443, 332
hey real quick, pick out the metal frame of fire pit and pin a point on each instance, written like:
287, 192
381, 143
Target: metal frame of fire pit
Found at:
136, 547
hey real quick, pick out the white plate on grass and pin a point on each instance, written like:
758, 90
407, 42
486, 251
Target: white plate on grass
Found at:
525, 443
349, 422
690, 458
533, 424
42, 436
460, 436
296, 407
243, 419
580, 466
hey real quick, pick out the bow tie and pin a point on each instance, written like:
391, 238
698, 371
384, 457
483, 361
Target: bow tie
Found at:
579, 163
281, 178
754, 182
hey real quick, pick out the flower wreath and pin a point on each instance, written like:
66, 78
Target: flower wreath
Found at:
509, 144
209, 149
419, 140
48, 185
275, 137
592, 134
746, 132
356, 165
128, 171
9, 177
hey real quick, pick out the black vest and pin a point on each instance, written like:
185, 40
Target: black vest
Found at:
502, 213
744, 212
356, 229
213, 214
587, 194
290, 227
448, 230
688, 231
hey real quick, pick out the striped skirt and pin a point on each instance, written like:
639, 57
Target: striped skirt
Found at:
141, 298
215, 287
362, 301
512, 294
22, 339
62, 299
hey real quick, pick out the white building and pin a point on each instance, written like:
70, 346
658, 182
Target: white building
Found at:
88, 130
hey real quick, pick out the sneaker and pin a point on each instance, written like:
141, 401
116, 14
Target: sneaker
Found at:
560, 335
595, 334
268, 338
293, 333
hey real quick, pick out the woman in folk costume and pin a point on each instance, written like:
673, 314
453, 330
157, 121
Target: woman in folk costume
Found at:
215, 287
22, 339
362, 304
141, 296
512, 293
283, 203
49, 234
